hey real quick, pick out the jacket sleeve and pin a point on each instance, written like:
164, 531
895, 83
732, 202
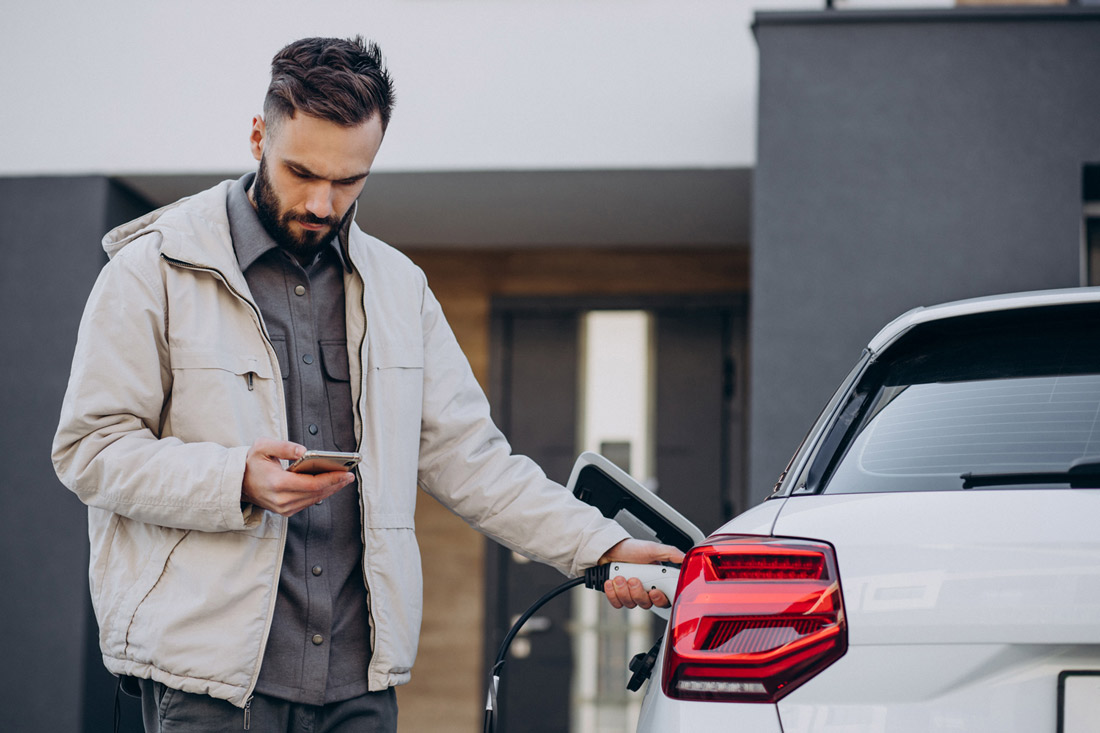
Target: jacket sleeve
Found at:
108, 449
466, 463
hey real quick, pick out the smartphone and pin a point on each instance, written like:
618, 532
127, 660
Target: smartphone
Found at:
323, 461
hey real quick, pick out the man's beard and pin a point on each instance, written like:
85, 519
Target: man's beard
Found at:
303, 244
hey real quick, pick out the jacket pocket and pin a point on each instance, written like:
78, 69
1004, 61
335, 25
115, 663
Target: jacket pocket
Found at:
234, 382
390, 520
396, 578
138, 554
238, 364
397, 355
204, 616
394, 405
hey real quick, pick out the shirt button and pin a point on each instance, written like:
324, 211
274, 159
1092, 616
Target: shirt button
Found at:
308, 358
317, 570
312, 429
300, 290
318, 639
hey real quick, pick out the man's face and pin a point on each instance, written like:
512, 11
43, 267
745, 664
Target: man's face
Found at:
311, 172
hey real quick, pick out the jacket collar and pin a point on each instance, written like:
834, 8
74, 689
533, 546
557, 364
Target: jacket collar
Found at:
195, 231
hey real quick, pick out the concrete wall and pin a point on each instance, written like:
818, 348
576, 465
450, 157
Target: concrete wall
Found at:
905, 159
49, 240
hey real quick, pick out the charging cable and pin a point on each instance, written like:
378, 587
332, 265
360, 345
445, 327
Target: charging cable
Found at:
653, 577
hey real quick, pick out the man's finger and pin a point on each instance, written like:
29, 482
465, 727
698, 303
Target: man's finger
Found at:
631, 593
278, 449
623, 593
320, 485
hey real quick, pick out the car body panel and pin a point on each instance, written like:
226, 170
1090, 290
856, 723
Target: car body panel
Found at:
980, 566
963, 608
757, 520
942, 635
936, 688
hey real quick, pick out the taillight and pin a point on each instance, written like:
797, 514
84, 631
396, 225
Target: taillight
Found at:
754, 618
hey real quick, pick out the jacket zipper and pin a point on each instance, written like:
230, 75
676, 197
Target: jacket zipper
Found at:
362, 491
283, 526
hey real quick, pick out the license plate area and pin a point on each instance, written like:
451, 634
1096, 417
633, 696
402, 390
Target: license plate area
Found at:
1079, 701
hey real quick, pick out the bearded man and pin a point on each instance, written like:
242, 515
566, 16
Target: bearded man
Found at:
230, 332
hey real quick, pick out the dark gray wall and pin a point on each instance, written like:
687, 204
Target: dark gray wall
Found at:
516, 208
52, 678
905, 159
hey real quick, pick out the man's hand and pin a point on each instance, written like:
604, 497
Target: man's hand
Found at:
269, 486
629, 593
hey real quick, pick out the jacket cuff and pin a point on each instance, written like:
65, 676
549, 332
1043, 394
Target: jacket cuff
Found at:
237, 514
612, 534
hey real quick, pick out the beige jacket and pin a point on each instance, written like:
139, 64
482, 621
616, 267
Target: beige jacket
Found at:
174, 377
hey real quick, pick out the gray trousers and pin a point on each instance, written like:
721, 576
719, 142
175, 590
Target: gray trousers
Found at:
165, 710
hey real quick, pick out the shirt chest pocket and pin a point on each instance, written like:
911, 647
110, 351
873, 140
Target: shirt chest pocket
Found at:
334, 360
279, 344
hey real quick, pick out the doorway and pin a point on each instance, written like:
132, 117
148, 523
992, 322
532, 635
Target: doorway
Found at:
676, 368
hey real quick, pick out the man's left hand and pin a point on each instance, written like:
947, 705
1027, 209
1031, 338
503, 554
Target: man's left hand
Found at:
629, 592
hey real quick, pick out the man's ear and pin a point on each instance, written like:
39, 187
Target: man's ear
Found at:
257, 137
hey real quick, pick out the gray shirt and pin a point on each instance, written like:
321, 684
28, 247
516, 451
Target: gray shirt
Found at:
319, 644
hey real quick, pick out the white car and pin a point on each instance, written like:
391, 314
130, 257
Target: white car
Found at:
930, 559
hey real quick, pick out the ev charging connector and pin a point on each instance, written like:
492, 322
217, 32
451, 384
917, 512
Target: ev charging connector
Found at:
597, 481
653, 577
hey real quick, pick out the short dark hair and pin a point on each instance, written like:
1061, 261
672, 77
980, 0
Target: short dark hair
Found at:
342, 81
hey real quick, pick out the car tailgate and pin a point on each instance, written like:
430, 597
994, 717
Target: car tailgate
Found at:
984, 566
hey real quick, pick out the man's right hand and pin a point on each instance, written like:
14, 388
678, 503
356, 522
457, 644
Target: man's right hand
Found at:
269, 486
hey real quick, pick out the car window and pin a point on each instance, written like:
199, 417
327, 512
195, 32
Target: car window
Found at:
1005, 397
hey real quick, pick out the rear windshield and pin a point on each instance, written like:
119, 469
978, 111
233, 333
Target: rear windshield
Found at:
1009, 400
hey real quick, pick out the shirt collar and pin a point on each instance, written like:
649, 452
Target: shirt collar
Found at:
251, 240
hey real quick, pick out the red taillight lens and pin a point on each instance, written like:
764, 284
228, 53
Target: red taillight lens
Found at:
755, 617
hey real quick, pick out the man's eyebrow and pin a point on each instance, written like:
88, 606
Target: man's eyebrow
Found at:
305, 172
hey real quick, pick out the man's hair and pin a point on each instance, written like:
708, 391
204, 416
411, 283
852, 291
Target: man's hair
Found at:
342, 81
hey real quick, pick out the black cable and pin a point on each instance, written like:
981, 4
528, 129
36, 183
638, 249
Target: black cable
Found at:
498, 666
593, 578
118, 704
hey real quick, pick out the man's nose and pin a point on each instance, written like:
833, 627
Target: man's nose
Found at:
319, 201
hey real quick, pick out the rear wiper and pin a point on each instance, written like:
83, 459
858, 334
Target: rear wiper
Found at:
1084, 473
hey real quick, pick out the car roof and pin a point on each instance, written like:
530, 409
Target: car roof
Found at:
973, 306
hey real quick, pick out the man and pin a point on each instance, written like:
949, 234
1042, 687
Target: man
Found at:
230, 332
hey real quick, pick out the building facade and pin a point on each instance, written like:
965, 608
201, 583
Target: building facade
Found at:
548, 163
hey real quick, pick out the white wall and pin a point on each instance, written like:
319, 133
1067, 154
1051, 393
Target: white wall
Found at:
137, 86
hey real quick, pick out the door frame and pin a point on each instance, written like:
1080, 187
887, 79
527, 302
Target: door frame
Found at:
504, 308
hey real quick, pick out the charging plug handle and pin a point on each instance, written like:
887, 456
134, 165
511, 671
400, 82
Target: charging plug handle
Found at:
653, 577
